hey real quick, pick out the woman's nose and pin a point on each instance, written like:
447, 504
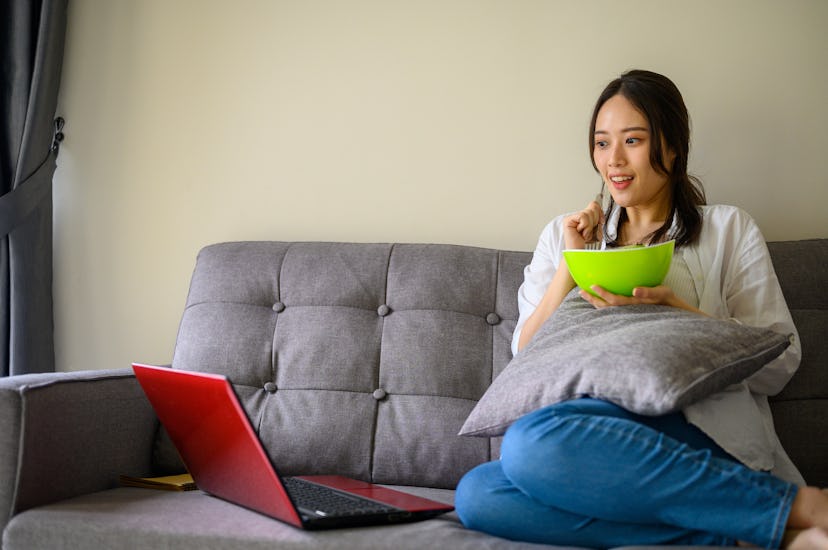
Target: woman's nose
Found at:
616, 157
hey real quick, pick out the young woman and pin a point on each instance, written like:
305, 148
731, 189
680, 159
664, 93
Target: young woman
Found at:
588, 473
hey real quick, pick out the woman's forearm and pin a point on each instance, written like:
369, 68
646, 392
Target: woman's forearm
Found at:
558, 288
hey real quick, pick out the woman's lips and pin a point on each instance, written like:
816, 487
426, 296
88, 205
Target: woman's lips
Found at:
621, 182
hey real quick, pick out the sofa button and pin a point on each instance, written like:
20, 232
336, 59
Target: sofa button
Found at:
383, 310
270, 387
380, 394
493, 318
278, 307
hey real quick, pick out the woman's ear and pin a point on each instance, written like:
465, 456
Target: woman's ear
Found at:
671, 157
668, 156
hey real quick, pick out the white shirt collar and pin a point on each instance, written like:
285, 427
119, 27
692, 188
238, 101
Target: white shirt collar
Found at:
611, 226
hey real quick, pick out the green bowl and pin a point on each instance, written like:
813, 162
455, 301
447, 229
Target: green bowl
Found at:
620, 270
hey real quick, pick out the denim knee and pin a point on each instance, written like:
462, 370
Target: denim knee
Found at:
472, 500
519, 448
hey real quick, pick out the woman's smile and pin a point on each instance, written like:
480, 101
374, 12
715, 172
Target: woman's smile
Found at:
621, 182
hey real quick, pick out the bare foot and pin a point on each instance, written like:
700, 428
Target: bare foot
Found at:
814, 538
809, 509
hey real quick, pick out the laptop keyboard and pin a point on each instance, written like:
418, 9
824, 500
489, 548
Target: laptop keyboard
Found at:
327, 502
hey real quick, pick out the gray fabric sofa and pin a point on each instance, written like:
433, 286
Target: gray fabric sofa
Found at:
359, 359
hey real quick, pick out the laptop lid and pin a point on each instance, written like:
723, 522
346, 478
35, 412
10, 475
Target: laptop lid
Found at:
223, 453
214, 437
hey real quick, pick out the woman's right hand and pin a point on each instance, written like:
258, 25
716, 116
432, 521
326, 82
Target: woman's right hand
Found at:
585, 227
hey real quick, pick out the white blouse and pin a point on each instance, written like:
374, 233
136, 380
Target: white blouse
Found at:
728, 274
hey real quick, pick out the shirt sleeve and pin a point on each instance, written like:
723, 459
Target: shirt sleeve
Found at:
538, 274
754, 297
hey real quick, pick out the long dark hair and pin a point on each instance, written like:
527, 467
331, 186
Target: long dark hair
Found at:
660, 101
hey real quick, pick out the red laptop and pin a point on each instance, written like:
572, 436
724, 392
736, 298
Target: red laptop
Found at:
214, 437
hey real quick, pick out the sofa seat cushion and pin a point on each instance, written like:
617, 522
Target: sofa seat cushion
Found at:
129, 518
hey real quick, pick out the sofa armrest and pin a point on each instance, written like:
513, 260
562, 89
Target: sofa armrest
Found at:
67, 434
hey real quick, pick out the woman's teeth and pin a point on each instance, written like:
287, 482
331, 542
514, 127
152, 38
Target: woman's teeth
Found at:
619, 179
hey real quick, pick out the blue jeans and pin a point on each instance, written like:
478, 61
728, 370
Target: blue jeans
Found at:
589, 473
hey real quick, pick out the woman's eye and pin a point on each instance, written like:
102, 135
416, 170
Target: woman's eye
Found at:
600, 144
633, 140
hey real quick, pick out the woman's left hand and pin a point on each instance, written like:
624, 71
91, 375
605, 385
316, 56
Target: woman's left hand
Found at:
659, 295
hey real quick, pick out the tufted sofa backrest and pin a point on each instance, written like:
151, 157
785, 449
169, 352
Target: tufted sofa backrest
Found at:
357, 359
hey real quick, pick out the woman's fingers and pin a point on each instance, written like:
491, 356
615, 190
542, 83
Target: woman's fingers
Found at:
596, 219
584, 226
662, 295
580, 230
590, 218
605, 298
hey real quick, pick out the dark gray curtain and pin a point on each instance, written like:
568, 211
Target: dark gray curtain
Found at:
31, 54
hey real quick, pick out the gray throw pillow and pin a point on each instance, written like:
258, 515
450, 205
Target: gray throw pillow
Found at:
648, 359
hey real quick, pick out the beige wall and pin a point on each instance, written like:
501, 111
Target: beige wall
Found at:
457, 121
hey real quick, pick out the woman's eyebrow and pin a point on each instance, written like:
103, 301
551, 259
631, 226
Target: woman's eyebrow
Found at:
625, 130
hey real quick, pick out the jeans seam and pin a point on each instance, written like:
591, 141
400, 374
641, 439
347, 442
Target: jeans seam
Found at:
782, 517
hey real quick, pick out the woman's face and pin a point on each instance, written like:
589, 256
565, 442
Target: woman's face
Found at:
621, 151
